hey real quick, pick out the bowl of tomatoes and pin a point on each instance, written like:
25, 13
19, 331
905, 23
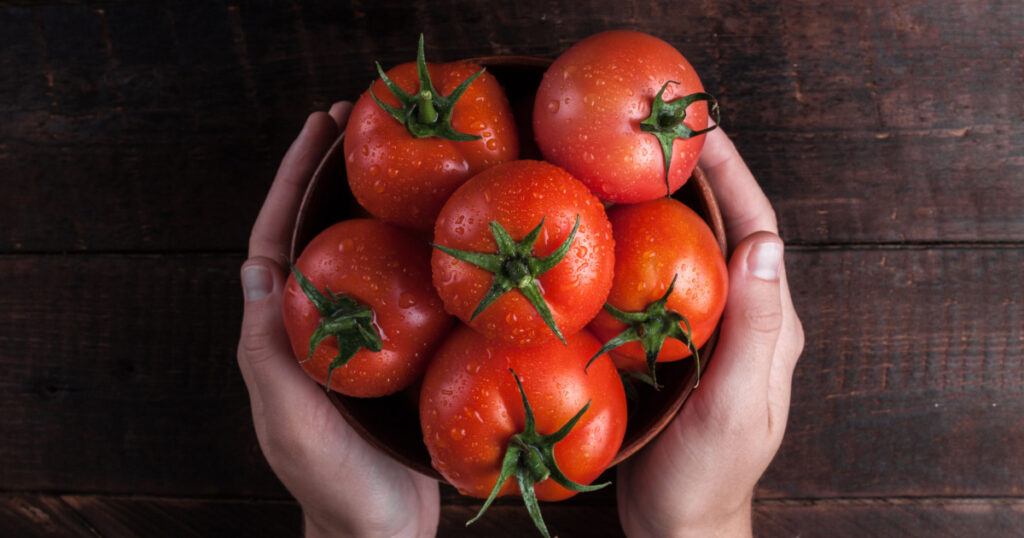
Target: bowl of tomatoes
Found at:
686, 227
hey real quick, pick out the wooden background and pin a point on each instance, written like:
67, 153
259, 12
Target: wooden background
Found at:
138, 139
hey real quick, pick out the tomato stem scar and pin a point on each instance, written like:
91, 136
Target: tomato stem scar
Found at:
666, 122
427, 113
530, 458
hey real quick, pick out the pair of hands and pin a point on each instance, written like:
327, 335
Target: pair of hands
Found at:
696, 478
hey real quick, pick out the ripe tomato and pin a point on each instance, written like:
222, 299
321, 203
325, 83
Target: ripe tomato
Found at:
526, 225
590, 106
404, 177
370, 289
471, 410
661, 244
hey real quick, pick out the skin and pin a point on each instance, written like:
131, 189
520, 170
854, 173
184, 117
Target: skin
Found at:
695, 479
407, 312
589, 107
406, 180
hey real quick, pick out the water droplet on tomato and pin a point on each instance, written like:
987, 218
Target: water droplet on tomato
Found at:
588, 157
492, 144
366, 149
374, 170
392, 172
457, 433
553, 106
379, 186
478, 126
511, 317
407, 300
346, 245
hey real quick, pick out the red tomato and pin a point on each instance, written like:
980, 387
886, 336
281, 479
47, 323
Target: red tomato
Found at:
471, 409
379, 275
590, 105
657, 242
519, 196
405, 179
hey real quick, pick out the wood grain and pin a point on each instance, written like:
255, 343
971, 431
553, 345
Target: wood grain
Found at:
141, 138
92, 516
913, 370
121, 120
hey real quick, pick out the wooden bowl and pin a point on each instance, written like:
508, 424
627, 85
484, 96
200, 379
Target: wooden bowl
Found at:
391, 423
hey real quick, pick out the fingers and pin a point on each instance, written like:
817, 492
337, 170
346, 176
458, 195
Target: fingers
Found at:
745, 208
340, 111
265, 356
272, 231
751, 322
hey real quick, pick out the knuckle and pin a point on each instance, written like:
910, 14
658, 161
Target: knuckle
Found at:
764, 319
256, 344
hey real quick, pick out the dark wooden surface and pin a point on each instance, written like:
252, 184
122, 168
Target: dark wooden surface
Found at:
137, 140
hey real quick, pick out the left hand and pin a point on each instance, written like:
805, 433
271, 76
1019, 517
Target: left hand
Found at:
345, 486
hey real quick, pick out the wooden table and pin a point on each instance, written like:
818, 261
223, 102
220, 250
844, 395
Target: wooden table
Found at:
138, 139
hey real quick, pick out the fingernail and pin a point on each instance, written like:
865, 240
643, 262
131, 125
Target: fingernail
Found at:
257, 282
764, 260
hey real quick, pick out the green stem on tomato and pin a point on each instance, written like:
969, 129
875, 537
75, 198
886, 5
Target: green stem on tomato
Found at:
666, 122
348, 321
530, 458
515, 266
651, 327
426, 113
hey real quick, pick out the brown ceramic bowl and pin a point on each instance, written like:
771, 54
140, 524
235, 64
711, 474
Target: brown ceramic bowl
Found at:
392, 423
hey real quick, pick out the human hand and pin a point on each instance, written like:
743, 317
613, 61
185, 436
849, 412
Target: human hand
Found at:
697, 478
345, 486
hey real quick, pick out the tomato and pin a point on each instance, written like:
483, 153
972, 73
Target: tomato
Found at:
404, 177
368, 293
592, 102
662, 245
471, 411
524, 253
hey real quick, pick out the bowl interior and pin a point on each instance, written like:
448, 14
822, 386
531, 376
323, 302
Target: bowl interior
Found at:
391, 423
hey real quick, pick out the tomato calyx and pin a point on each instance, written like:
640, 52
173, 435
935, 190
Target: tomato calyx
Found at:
530, 458
515, 266
651, 327
427, 113
350, 322
666, 122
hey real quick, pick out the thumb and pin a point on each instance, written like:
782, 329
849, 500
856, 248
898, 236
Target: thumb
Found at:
265, 355
751, 321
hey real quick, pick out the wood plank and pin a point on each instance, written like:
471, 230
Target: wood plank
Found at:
30, 515
120, 376
149, 127
891, 517
128, 516
912, 383
41, 516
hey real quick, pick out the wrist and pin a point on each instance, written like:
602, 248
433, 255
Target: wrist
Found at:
737, 524
315, 529
734, 522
